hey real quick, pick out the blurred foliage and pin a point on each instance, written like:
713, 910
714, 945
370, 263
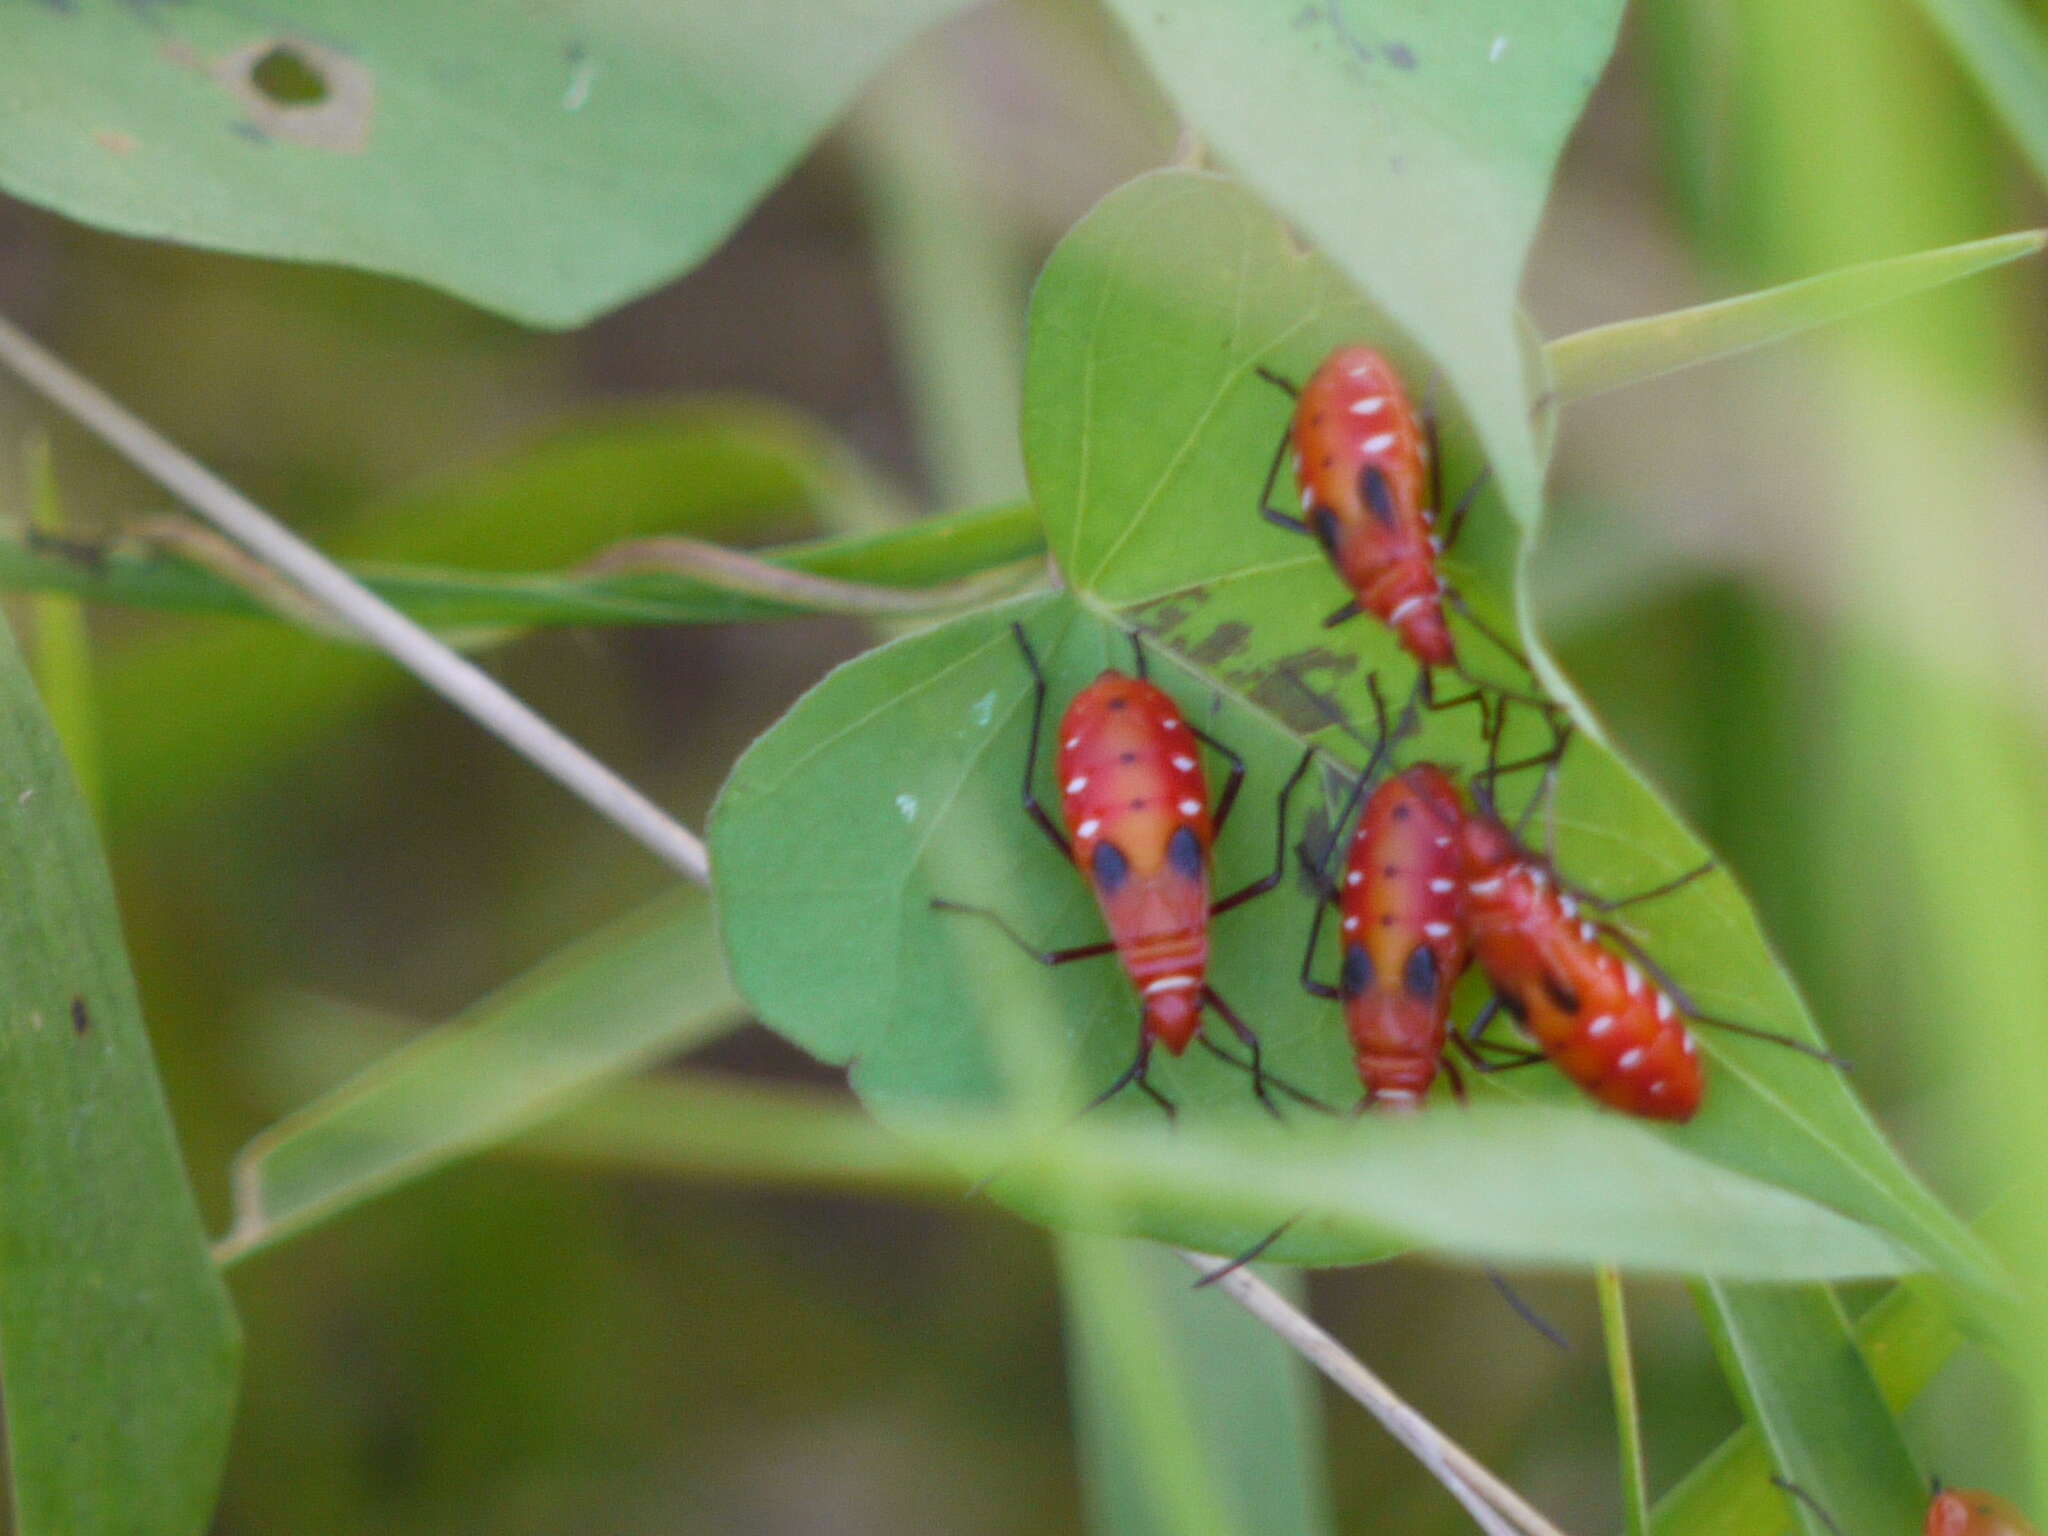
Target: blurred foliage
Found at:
1800, 588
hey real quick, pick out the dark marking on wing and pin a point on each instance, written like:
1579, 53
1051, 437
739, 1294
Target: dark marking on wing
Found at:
1184, 853
1421, 975
1111, 868
1560, 995
1357, 973
1378, 492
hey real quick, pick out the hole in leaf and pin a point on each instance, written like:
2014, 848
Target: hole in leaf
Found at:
286, 77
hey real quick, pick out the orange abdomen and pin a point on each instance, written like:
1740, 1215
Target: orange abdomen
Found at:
1968, 1512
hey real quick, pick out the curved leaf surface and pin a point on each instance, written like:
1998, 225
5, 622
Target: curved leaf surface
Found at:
1148, 435
547, 163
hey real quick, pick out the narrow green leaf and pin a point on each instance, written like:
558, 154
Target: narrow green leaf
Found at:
1450, 119
1631, 351
1806, 1386
2002, 44
921, 560
117, 1345
648, 985
546, 164
1249, 1402
1148, 436
63, 648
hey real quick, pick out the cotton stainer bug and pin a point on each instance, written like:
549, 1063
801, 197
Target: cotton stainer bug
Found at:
1137, 802
1369, 470
1954, 1512
1620, 1034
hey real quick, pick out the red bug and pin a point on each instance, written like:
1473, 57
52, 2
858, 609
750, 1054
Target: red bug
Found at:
1370, 474
1954, 1512
1136, 800
1619, 1033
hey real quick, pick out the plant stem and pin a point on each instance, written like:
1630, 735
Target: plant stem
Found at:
1621, 1372
63, 644
461, 682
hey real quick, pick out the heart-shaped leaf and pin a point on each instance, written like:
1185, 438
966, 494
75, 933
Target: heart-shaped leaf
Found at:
1149, 435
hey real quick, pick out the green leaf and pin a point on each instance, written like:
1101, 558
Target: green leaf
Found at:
1806, 1386
1191, 1415
546, 164
1148, 436
1413, 142
905, 566
2001, 43
1631, 351
1906, 1338
648, 985
117, 1344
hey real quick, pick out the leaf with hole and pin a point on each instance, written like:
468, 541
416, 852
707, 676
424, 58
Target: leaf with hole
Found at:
549, 164
1149, 434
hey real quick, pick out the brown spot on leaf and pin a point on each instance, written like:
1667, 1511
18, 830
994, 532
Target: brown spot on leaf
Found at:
1224, 642
81, 1020
299, 92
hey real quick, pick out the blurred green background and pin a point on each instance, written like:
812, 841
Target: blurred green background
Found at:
1803, 587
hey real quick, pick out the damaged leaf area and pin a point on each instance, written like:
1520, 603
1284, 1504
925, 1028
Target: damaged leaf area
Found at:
545, 163
1149, 433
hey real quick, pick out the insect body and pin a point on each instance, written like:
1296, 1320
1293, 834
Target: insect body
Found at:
1136, 801
1969, 1512
1404, 937
1367, 470
1609, 1028
1137, 806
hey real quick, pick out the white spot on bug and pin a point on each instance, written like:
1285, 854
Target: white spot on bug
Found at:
1077, 783
1396, 1095
1444, 841
1308, 498
1356, 877
1663, 1007
1171, 984
1184, 764
1088, 828
1360, 370
1436, 543
1692, 1046
1500, 46
1379, 442
1485, 887
1371, 405
983, 709
1539, 877
1589, 933
1600, 1026
1351, 925
1437, 930
1403, 609
907, 804
1297, 466
1632, 979
1170, 723
1443, 887
1191, 807
1631, 1059
1571, 908
1072, 742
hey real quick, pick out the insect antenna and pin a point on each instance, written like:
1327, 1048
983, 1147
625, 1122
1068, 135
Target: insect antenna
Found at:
1808, 1500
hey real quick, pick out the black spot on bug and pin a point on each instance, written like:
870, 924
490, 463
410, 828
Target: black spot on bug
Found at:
1386, 919
1390, 870
1560, 995
1357, 973
1111, 868
1421, 976
1184, 852
1119, 703
81, 1020
1402, 811
1139, 805
1322, 523
1400, 55
1378, 494
1127, 757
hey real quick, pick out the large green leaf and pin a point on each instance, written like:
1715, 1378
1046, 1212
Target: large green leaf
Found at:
1148, 435
547, 163
1414, 142
648, 985
117, 1346
1810, 1392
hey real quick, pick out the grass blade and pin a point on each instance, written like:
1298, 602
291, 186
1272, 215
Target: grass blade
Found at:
1631, 351
1628, 1419
646, 986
